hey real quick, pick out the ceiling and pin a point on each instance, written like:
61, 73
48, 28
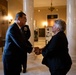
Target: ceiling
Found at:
46, 3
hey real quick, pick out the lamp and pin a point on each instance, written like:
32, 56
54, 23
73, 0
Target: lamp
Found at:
51, 8
9, 18
44, 24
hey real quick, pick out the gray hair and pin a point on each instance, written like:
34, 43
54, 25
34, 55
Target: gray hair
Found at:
60, 24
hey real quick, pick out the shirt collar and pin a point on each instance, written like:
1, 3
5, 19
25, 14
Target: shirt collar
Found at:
18, 25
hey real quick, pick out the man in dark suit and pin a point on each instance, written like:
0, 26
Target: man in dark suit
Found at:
15, 46
55, 53
27, 34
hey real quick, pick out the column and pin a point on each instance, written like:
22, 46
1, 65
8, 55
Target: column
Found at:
28, 8
71, 27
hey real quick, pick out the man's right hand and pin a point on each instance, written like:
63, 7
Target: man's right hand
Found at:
37, 50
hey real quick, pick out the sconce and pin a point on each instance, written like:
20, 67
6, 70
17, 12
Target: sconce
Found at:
9, 18
44, 24
10, 21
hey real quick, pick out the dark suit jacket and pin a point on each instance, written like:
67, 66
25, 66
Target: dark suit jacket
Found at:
27, 34
55, 53
26, 31
15, 44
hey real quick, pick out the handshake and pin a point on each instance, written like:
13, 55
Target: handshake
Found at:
37, 50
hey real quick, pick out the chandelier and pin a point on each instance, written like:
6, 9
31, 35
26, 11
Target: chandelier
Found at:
51, 8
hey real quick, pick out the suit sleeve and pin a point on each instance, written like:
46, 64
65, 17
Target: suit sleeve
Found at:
29, 33
52, 47
26, 32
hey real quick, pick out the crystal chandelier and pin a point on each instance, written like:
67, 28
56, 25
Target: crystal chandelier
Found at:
51, 8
